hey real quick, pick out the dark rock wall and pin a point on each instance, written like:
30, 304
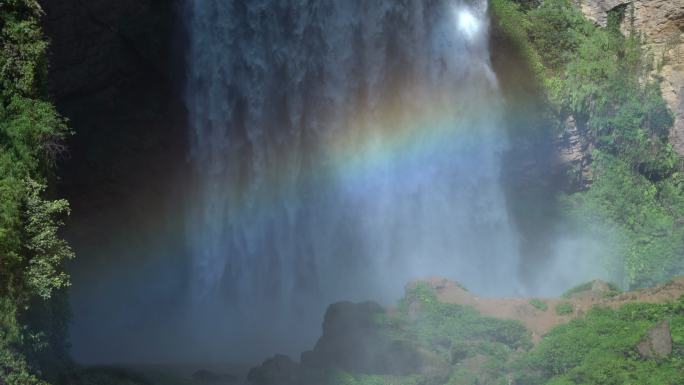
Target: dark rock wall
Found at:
115, 73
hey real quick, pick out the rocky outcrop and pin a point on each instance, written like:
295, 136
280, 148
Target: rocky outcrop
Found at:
657, 342
661, 22
355, 342
575, 154
365, 339
113, 72
205, 376
100, 45
278, 370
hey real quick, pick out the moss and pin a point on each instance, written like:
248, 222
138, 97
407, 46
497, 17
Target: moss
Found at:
577, 289
539, 304
600, 348
456, 333
564, 308
345, 378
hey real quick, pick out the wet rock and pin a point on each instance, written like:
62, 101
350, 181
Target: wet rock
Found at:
354, 341
278, 370
209, 377
575, 150
657, 342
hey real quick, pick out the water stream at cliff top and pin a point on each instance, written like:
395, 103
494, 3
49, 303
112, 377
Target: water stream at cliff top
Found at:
340, 149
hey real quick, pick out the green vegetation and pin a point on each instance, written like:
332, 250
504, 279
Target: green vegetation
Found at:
634, 197
539, 304
344, 378
458, 334
603, 80
32, 298
613, 290
577, 289
598, 77
457, 326
600, 348
564, 308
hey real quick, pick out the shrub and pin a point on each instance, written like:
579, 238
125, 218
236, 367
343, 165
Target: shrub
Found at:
577, 289
31, 252
600, 348
539, 304
564, 308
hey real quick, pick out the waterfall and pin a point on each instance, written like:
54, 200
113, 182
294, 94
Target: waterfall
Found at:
339, 149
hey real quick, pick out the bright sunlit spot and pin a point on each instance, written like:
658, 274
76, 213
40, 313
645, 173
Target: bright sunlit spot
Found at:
468, 24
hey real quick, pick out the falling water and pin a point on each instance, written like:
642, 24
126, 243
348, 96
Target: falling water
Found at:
340, 149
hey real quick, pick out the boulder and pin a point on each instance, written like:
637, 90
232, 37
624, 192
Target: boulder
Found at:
657, 342
278, 370
208, 377
354, 341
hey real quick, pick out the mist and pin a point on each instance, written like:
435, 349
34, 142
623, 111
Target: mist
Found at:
337, 151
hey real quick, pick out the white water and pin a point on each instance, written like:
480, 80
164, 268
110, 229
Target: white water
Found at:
280, 222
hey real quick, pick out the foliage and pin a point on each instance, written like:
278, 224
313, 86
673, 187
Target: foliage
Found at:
613, 289
652, 240
33, 316
577, 289
564, 308
22, 54
604, 80
344, 378
14, 370
43, 273
436, 320
594, 349
555, 30
456, 333
511, 22
539, 304
600, 348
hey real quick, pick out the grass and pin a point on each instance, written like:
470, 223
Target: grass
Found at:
455, 333
613, 290
600, 348
564, 308
577, 289
539, 304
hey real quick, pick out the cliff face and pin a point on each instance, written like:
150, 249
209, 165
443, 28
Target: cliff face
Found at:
662, 24
114, 71
96, 45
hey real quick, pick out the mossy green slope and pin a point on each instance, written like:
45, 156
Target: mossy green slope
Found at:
598, 348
